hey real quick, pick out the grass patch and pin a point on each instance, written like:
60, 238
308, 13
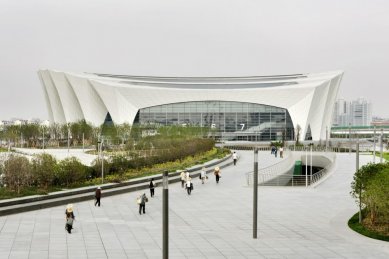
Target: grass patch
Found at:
6, 193
354, 224
3, 149
384, 155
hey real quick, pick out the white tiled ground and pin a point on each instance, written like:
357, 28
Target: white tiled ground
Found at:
214, 222
61, 153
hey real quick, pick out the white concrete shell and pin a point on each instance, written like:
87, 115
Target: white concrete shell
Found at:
70, 97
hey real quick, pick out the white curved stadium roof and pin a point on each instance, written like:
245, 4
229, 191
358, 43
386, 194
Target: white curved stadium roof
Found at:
71, 97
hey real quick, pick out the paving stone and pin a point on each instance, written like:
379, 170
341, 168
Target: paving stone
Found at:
215, 221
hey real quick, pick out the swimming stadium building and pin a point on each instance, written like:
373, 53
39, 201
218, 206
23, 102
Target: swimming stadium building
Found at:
256, 108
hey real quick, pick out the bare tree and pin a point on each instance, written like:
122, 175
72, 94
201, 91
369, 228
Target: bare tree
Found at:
17, 173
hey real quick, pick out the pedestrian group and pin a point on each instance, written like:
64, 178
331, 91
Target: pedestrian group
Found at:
186, 181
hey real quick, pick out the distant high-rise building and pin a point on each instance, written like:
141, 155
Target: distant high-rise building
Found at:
355, 113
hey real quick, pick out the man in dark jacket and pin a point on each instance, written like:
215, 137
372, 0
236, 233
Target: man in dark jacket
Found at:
152, 186
98, 195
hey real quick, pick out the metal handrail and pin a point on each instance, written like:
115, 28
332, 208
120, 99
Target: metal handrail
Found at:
273, 174
273, 170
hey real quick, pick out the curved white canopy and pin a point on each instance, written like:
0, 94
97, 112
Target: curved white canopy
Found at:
70, 97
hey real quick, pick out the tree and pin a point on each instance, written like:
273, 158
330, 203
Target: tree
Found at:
124, 132
44, 168
80, 128
375, 197
17, 173
361, 180
71, 171
31, 133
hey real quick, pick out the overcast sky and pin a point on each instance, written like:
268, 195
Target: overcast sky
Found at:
192, 38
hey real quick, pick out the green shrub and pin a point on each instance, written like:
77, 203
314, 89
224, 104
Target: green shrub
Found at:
376, 197
44, 168
17, 173
70, 172
370, 188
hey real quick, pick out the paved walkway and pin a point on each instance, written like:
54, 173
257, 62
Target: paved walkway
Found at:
61, 153
214, 222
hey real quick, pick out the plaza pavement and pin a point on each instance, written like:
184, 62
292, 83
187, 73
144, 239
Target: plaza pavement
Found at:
214, 222
61, 153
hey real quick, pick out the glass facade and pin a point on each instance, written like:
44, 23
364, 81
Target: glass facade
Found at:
232, 120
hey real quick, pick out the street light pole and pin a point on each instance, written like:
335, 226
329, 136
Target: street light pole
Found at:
381, 145
43, 137
102, 160
68, 138
306, 167
255, 193
349, 138
326, 138
165, 215
356, 169
311, 165
357, 156
374, 145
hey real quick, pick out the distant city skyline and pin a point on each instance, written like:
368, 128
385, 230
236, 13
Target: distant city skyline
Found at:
357, 112
192, 38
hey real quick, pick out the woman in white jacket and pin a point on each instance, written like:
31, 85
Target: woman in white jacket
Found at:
203, 175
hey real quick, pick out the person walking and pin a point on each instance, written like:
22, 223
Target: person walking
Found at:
281, 152
142, 203
152, 186
234, 157
275, 151
183, 178
203, 175
98, 196
69, 218
189, 185
217, 174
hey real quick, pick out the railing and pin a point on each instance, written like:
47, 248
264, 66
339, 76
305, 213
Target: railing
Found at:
281, 174
272, 171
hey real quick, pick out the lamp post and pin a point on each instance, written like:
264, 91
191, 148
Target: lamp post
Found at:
356, 169
43, 137
349, 138
326, 138
102, 159
381, 145
21, 137
374, 145
68, 137
311, 165
165, 215
357, 156
255, 193
306, 167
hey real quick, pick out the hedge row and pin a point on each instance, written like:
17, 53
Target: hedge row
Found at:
45, 172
